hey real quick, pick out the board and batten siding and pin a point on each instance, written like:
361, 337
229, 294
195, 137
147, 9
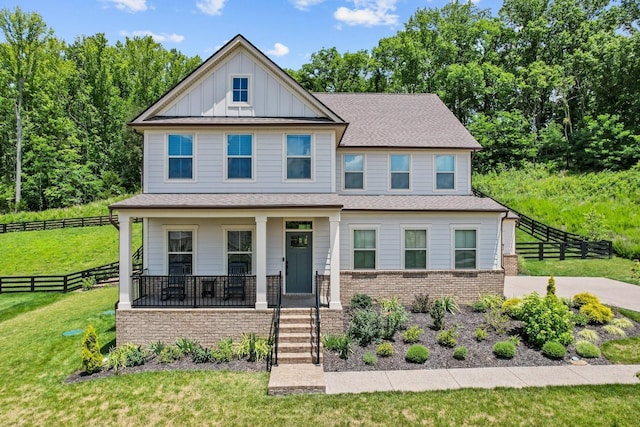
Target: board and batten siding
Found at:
440, 237
269, 97
209, 175
422, 178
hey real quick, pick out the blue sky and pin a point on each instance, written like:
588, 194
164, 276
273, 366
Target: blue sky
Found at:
287, 30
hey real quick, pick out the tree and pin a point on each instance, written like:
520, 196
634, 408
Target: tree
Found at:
25, 35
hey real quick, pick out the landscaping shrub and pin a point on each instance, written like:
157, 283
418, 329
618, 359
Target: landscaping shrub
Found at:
589, 335
437, 314
497, 320
369, 358
580, 319
551, 286
394, 317
596, 313
511, 307
361, 302
344, 346
125, 356
202, 355
554, 350
546, 319
224, 350
504, 349
460, 353
331, 342
420, 304
515, 339
412, 335
186, 345
252, 347
585, 298
91, 356
169, 354
450, 304
156, 347
587, 349
622, 323
486, 302
365, 326
385, 349
614, 331
448, 338
417, 353
481, 334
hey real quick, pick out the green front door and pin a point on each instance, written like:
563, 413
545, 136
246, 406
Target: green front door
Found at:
299, 262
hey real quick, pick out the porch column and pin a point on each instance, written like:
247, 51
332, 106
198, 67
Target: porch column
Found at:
261, 262
334, 249
125, 261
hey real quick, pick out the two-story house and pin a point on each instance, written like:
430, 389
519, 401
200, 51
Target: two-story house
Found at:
253, 186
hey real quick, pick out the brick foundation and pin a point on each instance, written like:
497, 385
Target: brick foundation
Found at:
465, 286
510, 264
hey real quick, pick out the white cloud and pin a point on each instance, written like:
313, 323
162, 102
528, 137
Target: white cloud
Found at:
130, 5
211, 7
305, 4
162, 37
278, 50
368, 13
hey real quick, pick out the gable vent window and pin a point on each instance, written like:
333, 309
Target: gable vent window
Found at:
240, 92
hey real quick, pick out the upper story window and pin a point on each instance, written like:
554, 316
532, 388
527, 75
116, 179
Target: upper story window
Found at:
240, 90
445, 172
299, 156
180, 157
465, 249
353, 171
400, 167
239, 157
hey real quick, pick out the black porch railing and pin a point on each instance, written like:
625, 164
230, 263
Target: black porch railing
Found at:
197, 292
317, 318
274, 334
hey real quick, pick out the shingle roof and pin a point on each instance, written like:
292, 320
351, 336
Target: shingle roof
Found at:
398, 121
310, 200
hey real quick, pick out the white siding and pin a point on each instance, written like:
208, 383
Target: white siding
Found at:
439, 245
321, 258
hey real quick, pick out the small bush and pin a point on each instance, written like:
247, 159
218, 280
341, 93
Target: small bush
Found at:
448, 338
91, 356
420, 304
369, 358
486, 302
589, 335
554, 350
515, 339
546, 319
597, 314
202, 355
412, 335
497, 320
186, 346
511, 306
385, 349
437, 313
580, 319
450, 304
417, 353
365, 326
170, 354
252, 347
504, 349
361, 302
344, 347
125, 356
331, 342
622, 323
394, 317
480, 334
156, 347
460, 353
224, 350
88, 283
551, 286
614, 331
585, 298
587, 349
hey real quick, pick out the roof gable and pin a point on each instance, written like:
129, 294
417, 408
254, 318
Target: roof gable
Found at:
205, 93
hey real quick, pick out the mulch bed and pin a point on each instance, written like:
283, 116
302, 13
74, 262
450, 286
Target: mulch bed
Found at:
480, 353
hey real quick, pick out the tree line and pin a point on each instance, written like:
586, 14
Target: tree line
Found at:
543, 81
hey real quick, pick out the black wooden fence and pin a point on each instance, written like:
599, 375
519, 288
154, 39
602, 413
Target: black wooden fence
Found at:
51, 224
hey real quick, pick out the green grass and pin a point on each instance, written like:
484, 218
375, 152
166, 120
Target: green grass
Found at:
624, 351
35, 359
63, 251
13, 304
633, 315
615, 268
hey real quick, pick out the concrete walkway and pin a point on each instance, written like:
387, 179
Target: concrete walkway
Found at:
447, 379
610, 292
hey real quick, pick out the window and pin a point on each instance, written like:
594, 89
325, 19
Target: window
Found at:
445, 172
298, 156
239, 156
180, 156
415, 249
353, 171
465, 249
364, 249
179, 252
400, 171
240, 248
240, 91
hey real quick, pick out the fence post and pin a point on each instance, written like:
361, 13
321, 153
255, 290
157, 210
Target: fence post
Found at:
563, 247
540, 251
64, 284
610, 247
33, 284
584, 249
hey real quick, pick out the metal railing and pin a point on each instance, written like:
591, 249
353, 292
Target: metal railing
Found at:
275, 325
317, 319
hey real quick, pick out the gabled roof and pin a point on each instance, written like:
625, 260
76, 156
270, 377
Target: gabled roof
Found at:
389, 120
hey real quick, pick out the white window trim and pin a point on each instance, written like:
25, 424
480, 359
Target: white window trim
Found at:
368, 227
455, 227
455, 174
249, 90
389, 172
364, 172
194, 245
312, 178
225, 156
419, 227
194, 147
227, 228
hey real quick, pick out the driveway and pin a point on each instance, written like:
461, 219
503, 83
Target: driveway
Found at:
610, 292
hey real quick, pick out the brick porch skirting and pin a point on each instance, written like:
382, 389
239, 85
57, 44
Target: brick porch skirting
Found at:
465, 286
